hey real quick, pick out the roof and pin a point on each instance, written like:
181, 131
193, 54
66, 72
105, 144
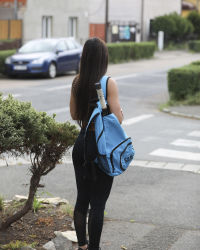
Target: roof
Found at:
10, 3
188, 6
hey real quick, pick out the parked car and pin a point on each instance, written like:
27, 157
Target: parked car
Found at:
48, 57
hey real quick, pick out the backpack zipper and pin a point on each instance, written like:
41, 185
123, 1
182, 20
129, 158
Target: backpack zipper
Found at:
111, 154
130, 143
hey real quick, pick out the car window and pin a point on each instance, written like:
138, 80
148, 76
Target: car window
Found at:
70, 44
38, 46
62, 46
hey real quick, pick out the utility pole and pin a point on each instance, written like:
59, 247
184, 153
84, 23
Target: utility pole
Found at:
142, 18
106, 20
15, 8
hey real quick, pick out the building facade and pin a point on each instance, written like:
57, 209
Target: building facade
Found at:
154, 8
128, 20
190, 5
129, 13
50, 18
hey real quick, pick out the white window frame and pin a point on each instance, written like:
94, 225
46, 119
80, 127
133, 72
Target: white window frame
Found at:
46, 27
73, 27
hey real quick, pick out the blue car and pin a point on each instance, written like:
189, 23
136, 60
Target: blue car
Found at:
47, 57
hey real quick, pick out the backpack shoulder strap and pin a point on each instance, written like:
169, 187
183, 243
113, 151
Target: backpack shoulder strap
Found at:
104, 82
95, 113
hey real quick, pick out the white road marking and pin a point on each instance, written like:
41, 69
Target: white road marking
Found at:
160, 75
136, 119
124, 77
176, 154
186, 143
195, 133
57, 111
59, 87
14, 95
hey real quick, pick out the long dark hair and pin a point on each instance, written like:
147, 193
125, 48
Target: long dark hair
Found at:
93, 66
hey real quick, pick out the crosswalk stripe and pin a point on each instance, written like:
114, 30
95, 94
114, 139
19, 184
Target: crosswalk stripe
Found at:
176, 154
59, 87
124, 76
57, 111
195, 133
186, 143
14, 95
136, 119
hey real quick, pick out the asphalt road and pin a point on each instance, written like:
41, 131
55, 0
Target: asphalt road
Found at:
163, 203
156, 136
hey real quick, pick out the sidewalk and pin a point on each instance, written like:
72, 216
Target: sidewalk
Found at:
148, 208
185, 111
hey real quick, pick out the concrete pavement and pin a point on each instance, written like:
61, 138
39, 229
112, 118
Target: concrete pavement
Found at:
160, 195
149, 208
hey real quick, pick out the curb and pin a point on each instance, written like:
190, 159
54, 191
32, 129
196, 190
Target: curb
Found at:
135, 163
175, 113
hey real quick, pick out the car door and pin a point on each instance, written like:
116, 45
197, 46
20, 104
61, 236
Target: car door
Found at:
74, 55
62, 56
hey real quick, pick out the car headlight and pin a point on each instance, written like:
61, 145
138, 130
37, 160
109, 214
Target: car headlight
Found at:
8, 60
38, 61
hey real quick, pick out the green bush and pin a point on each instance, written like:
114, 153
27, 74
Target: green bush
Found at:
119, 52
164, 23
183, 26
184, 81
196, 63
173, 25
23, 130
3, 55
194, 45
194, 18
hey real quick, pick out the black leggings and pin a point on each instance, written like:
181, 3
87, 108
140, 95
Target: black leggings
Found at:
94, 193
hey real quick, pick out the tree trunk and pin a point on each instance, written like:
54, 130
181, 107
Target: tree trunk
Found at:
35, 179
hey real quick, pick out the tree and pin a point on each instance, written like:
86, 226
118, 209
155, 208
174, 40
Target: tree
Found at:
183, 26
194, 18
165, 24
24, 130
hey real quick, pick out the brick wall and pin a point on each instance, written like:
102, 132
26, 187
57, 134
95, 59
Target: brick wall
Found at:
97, 30
10, 3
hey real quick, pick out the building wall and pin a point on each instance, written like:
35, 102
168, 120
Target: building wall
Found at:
185, 13
154, 8
60, 11
118, 10
7, 13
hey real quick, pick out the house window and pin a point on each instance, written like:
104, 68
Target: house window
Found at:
46, 26
73, 27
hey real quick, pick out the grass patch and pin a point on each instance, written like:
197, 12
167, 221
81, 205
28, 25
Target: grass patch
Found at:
2, 206
177, 46
67, 209
191, 100
15, 245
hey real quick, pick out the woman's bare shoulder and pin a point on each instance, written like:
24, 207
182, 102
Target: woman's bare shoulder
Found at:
112, 85
75, 79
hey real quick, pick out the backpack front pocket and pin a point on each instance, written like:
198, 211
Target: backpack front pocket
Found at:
122, 154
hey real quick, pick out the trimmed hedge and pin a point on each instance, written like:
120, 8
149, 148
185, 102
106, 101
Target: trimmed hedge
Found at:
194, 45
184, 81
3, 55
119, 52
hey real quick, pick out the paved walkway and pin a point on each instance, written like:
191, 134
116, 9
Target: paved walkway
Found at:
149, 208
148, 164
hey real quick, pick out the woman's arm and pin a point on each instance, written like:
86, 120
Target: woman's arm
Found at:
113, 99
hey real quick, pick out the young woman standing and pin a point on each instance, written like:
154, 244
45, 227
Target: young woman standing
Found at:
93, 67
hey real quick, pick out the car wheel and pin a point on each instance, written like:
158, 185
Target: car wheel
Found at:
52, 71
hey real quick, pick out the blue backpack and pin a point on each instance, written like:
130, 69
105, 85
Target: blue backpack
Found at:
114, 147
